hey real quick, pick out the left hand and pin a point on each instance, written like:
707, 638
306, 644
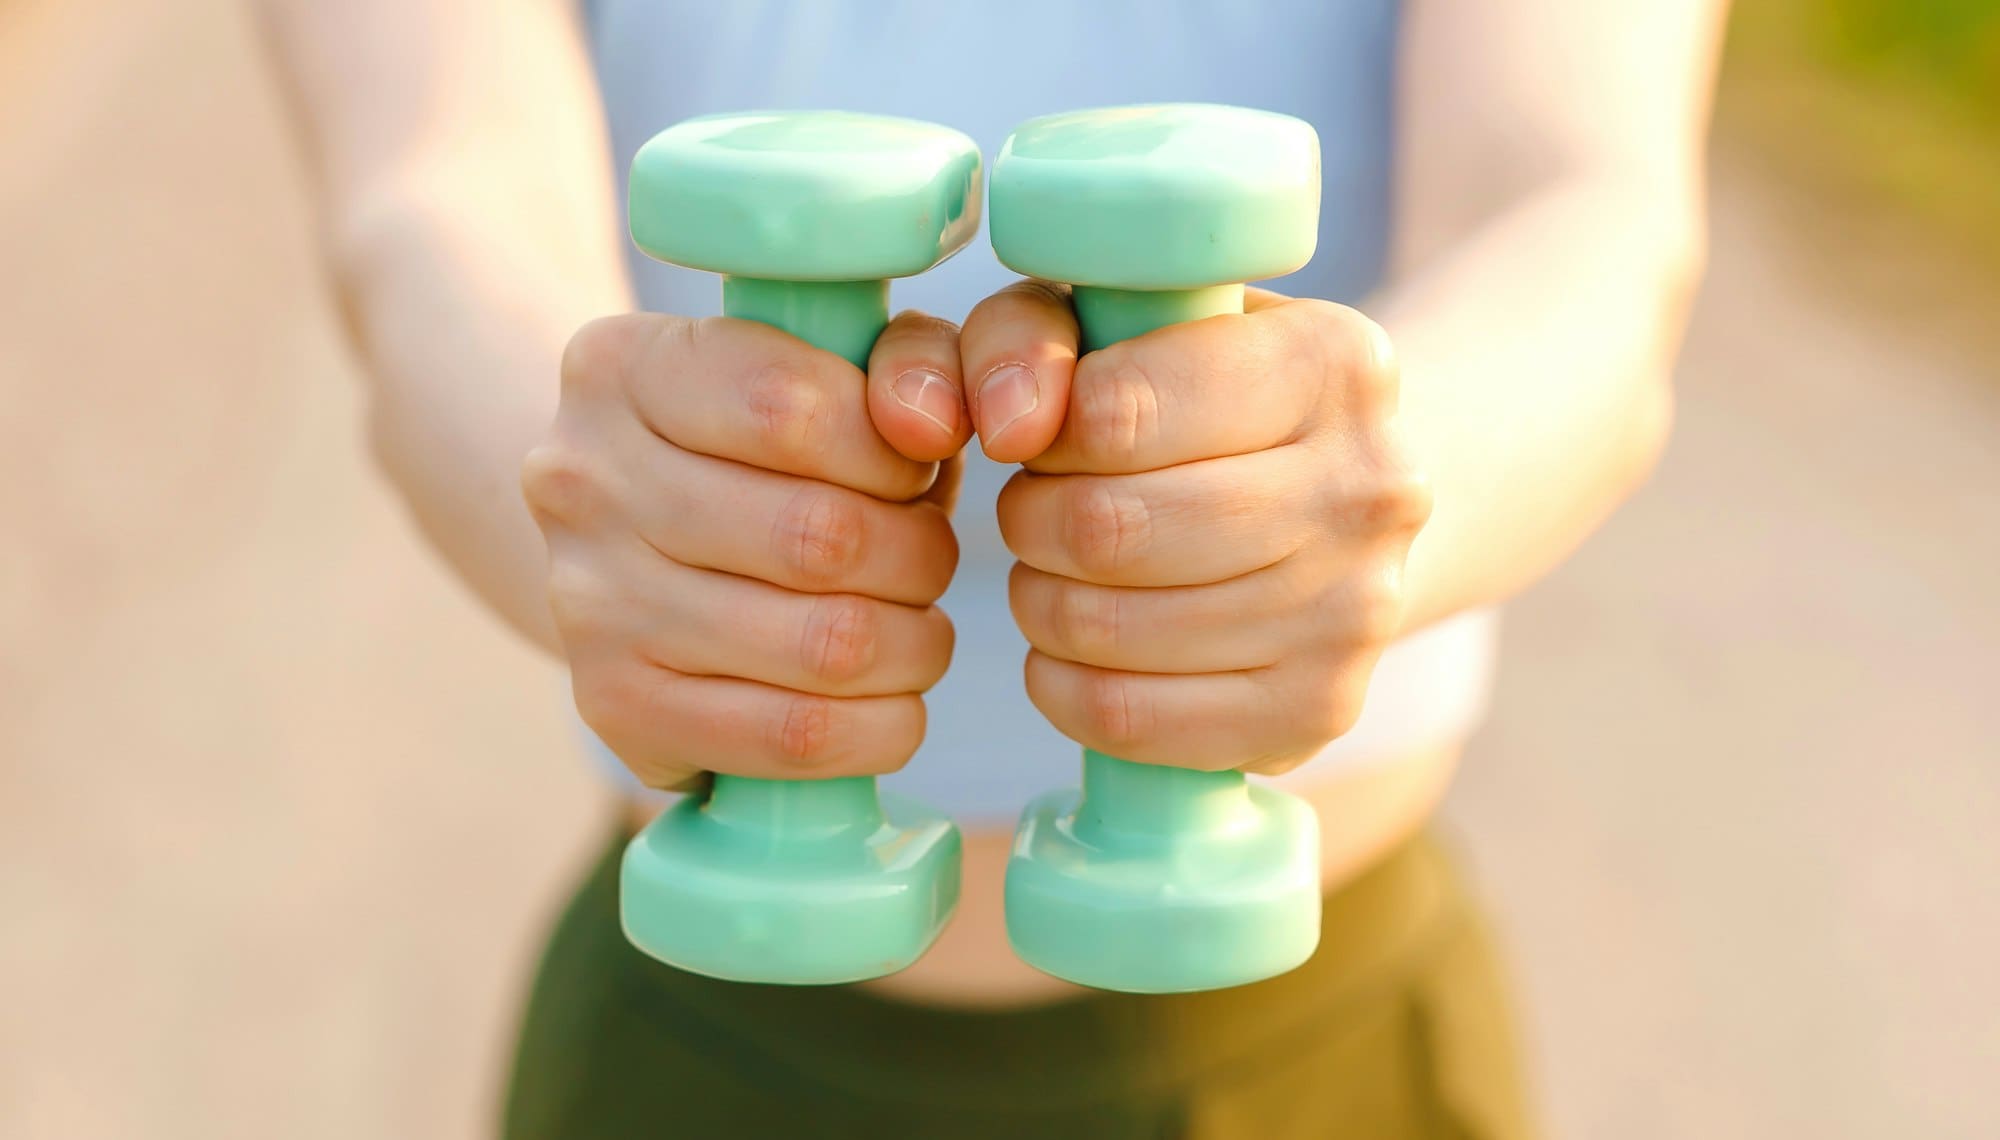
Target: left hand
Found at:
1211, 522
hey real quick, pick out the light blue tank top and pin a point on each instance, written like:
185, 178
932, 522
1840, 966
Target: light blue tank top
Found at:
983, 68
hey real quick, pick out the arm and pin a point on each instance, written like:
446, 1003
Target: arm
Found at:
1550, 234
464, 183
1222, 523
703, 485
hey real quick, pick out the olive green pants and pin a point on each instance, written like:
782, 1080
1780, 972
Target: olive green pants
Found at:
1398, 1027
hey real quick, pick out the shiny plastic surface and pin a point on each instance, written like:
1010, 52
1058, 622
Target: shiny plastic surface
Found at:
1164, 880
805, 195
801, 882
795, 882
1153, 879
1171, 196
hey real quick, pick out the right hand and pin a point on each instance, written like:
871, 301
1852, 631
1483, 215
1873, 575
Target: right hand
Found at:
746, 539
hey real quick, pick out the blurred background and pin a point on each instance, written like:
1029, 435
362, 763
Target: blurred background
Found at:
1739, 808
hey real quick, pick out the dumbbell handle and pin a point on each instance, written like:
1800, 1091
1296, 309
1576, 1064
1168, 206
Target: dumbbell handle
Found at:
1132, 800
1107, 316
1151, 801
844, 318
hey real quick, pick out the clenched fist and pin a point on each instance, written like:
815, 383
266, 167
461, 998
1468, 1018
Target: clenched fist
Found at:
746, 536
1211, 523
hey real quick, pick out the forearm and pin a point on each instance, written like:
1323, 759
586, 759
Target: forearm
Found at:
464, 185
463, 348
1536, 358
1549, 232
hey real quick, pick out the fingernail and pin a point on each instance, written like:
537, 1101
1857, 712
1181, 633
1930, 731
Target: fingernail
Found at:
1007, 394
926, 393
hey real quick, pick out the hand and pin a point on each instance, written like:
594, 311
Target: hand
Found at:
1211, 523
746, 537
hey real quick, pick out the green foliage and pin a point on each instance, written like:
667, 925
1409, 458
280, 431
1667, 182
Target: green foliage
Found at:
1950, 48
1898, 100
1950, 45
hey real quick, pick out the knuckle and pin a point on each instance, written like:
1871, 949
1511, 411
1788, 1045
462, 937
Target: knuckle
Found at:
1117, 710
1365, 611
1377, 612
933, 532
789, 412
1399, 498
1106, 528
1322, 324
943, 639
842, 637
1387, 492
1416, 498
805, 732
923, 531
1354, 352
578, 600
1114, 416
613, 699
1328, 709
599, 356
1351, 341
818, 536
564, 484
1085, 619
906, 481
595, 704
1375, 355
1373, 621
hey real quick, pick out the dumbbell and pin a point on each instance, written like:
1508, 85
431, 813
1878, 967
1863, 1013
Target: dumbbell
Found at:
1152, 879
806, 215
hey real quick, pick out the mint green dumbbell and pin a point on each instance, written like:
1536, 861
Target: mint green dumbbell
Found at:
806, 215
1153, 879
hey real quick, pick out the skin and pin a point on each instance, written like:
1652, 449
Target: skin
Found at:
740, 565
1252, 506
1211, 523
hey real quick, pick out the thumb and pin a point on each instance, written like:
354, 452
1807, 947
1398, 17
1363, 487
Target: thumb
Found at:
1020, 348
916, 395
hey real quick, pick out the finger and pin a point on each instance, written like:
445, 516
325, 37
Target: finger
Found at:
1227, 385
1210, 721
916, 396
1185, 526
1247, 622
705, 623
1019, 347
950, 478
666, 726
747, 392
797, 533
